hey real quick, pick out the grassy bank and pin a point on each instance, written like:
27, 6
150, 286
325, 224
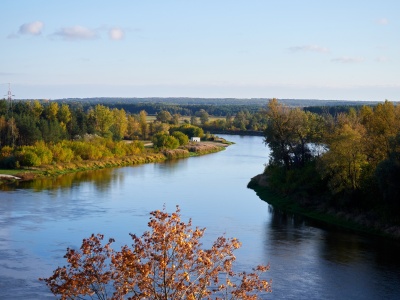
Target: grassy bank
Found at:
353, 222
56, 169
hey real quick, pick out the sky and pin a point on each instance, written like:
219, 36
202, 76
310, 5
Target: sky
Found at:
287, 49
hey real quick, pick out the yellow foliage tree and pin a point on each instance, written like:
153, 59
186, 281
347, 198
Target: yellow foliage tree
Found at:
165, 263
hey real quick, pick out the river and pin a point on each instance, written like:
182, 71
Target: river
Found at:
40, 219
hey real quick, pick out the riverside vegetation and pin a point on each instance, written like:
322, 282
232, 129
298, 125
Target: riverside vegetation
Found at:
340, 161
47, 138
342, 168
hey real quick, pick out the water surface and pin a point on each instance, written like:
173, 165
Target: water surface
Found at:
39, 220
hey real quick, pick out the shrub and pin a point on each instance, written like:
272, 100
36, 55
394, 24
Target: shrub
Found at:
164, 141
26, 157
181, 137
62, 153
43, 152
166, 262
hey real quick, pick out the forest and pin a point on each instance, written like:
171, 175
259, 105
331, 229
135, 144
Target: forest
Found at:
347, 162
35, 133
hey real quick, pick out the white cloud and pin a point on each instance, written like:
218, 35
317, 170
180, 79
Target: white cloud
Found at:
348, 60
76, 33
116, 34
33, 28
382, 21
381, 59
309, 48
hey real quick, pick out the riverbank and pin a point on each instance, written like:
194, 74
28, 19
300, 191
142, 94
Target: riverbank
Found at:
192, 149
354, 221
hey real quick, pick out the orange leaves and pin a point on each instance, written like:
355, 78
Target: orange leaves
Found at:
166, 262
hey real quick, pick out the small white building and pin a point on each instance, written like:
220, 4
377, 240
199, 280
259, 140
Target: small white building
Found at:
195, 139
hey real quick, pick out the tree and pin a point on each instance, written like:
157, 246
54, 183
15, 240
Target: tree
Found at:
240, 121
3, 131
120, 126
345, 161
37, 109
203, 115
164, 116
165, 263
189, 130
193, 120
143, 123
181, 137
103, 119
133, 130
290, 133
52, 111
163, 141
175, 119
64, 116
382, 124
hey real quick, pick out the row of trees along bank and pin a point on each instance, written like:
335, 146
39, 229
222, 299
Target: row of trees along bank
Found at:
349, 161
33, 133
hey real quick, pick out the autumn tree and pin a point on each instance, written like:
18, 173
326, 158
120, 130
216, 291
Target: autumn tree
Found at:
133, 128
37, 109
289, 134
167, 262
143, 123
102, 118
345, 161
119, 128
162, 141
64, 116
51, 111
382, 124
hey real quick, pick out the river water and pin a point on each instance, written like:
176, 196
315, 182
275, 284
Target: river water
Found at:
39, 220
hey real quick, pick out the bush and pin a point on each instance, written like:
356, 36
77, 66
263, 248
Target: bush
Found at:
189, 130
166, 262
181, 137
43, 152
27, 157
163, 141
62, 153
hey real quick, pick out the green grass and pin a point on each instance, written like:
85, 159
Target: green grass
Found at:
10, 172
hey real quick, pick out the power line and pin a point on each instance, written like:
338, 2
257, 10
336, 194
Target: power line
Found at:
9, 93
10, 112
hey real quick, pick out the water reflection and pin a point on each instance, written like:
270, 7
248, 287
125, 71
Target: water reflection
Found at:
172, 166
101, 179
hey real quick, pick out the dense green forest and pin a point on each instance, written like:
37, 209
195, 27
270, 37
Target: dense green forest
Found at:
348, 162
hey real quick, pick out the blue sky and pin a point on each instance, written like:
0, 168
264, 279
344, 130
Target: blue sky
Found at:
198, 48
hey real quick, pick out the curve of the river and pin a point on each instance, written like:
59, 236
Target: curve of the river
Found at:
39, 220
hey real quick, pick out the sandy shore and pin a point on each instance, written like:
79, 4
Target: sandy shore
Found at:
5, 176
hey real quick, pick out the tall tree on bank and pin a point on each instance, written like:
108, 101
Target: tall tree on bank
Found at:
143, 123
102, 118
289, 133
344, 162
